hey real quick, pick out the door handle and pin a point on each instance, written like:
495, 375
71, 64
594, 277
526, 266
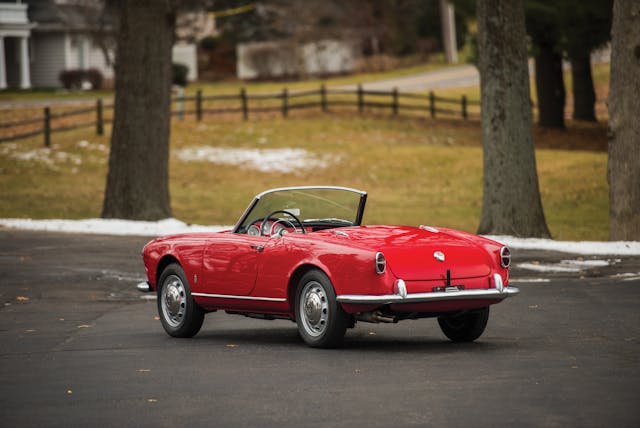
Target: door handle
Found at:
258, 248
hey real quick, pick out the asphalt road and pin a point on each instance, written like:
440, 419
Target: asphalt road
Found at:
80, 347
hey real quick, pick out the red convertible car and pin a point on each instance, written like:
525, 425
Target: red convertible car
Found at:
301, 253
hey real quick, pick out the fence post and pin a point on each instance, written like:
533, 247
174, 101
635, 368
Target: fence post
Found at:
47, 127
285, 102
394, 106
99, 122
360, 98
180, 103
432, 103
199, 105
323, 98
464, 107
245, 107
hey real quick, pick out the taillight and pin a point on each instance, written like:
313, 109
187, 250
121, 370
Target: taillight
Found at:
505, 257
381, 263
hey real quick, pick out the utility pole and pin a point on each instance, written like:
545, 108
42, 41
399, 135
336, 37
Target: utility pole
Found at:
447, 17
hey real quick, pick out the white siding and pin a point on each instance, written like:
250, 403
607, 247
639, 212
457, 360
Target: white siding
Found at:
91, 58
186, 54
47, 59
56, 52
286, 58
97, 60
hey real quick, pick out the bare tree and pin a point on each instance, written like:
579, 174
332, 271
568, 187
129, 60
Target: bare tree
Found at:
543, 25
138, 178
624, 126
511, 199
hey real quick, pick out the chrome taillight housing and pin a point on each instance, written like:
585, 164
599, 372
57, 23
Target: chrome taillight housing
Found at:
505, 257
381, 263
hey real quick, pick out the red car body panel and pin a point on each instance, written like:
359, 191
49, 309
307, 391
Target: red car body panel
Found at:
257, 274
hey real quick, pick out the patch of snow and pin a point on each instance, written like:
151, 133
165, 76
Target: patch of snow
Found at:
101, 226
629, 276
588, 264
84, 144
566, 265
528, 280
621, 248
44, 155
554, 268
173, 226
264, 160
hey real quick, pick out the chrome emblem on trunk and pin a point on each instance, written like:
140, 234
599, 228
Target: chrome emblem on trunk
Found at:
439, 256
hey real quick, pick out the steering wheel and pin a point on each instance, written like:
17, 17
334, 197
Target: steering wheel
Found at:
268, 216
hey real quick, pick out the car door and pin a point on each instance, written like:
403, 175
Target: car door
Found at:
230, 264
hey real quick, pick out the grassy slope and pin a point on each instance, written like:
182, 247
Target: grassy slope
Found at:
416, 171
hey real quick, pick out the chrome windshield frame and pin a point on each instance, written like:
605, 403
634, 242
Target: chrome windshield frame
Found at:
256, 199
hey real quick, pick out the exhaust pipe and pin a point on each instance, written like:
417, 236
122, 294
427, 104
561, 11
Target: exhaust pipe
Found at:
375, 317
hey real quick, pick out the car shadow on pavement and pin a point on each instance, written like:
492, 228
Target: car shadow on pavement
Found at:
353, 341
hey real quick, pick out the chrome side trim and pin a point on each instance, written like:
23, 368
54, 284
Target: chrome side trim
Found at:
386, 299
144, 287
231, 296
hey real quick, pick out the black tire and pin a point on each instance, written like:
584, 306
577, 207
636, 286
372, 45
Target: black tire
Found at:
465, 327
179, 314
321, 320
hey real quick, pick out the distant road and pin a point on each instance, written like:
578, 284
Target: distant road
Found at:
458, 76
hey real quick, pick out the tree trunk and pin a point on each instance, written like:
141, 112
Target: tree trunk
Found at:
138, 179
584, 96
624, 123
549, 87
511, 200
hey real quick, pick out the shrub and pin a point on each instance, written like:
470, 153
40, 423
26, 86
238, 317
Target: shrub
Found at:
94, 76
79, 79
209, 43
180, 72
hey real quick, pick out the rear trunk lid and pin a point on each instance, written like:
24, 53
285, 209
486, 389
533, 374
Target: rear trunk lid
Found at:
416, 254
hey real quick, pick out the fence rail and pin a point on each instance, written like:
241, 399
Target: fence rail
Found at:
246, 104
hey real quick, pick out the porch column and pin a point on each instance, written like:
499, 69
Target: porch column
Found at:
3, 67
25, 73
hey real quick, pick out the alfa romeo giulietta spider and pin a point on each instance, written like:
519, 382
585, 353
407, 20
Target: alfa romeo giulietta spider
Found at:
302, 254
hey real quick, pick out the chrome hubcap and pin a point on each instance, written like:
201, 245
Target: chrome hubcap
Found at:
314, 308
173, 300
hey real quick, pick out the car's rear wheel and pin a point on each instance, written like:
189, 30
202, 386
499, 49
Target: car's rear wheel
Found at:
179, 314
321, 321
465, 327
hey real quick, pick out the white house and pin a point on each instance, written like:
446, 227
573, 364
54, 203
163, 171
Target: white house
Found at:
61, 40
287, 58
41, 38
15, 32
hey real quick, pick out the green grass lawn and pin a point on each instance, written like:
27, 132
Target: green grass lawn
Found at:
417, 171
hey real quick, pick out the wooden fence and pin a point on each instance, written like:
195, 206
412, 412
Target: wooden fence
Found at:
247, 105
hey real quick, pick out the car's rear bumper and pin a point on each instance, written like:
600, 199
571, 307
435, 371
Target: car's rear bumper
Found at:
386, 299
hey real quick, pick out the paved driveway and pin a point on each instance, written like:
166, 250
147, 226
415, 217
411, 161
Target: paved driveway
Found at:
79, 347
451, 77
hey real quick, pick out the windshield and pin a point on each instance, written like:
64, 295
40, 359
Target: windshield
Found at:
330, 206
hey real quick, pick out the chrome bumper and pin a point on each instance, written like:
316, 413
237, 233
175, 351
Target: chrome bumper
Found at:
144, 287
385, 299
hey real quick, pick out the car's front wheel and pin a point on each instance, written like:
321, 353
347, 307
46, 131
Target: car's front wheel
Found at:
179, 314
465, 327
321, 321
